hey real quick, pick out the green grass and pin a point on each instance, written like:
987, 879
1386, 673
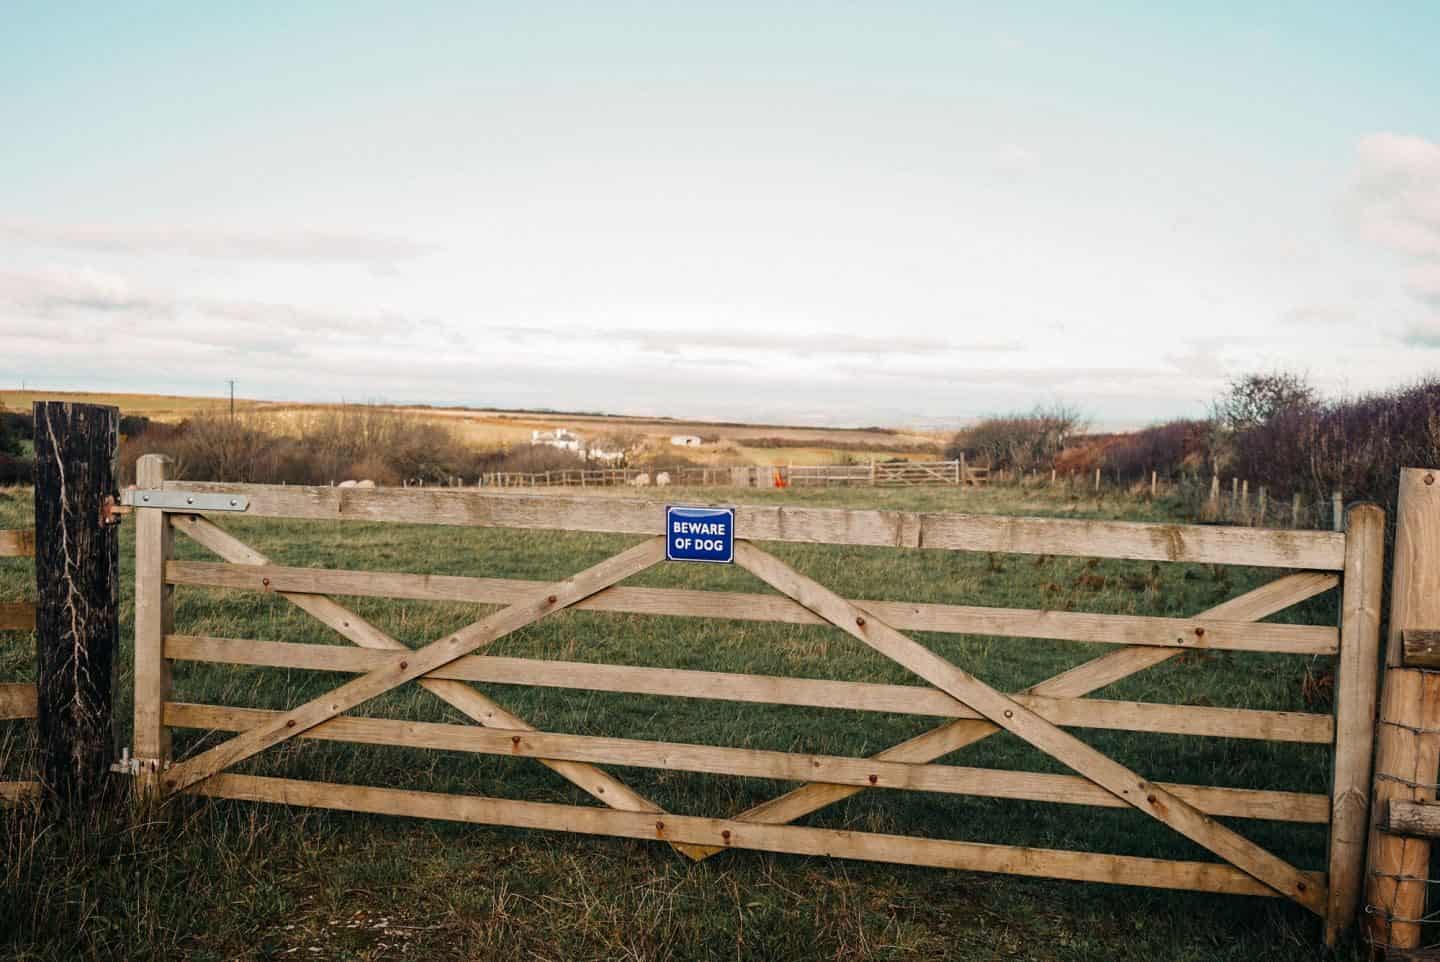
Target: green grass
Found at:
229, 880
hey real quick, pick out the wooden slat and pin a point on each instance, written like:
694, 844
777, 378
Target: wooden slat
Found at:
19, 791
770, 689
960, 619
1420, 648
1413, 818
1025, 724
755, 763
17, 543
1081, 680
407, 666
17, 616
865, 846
17, 701
1258, 547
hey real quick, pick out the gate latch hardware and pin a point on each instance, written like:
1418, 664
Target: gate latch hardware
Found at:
112, 511
183, 500
133, 765
126, 765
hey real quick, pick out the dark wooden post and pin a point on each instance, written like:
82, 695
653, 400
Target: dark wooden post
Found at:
77, 577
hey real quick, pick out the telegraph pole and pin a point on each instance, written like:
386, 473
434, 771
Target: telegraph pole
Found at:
231, 382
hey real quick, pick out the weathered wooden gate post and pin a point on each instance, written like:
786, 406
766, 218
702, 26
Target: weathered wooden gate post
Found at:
77, 579
1408, 749
1357, 683
154, 618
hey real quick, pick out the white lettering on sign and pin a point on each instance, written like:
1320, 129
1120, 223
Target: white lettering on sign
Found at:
699, 527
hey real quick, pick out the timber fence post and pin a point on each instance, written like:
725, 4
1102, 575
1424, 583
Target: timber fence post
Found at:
77, 581
1408, 747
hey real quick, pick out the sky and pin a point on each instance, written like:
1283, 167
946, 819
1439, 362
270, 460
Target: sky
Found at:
898, 213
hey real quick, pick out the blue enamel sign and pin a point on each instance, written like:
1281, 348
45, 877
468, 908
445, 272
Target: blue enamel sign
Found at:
700, 534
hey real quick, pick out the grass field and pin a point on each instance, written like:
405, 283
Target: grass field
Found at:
490, 429
230, 880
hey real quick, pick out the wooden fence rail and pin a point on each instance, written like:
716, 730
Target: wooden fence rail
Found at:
879, 473
17, 700
966, 709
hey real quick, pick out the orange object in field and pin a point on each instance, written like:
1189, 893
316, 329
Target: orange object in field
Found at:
780, 481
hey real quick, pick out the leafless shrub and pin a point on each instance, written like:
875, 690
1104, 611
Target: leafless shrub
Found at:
1018, 441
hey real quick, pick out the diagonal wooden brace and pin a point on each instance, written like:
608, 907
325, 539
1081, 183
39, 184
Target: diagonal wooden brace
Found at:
1032, 728
410, 665
478, 706
1075, 683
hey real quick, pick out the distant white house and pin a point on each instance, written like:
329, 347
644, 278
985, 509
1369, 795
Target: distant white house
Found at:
560, 438
685, 440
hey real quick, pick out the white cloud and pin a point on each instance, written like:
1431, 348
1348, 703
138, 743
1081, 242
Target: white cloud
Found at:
301, 247
741, 344
78, 303
1397, 207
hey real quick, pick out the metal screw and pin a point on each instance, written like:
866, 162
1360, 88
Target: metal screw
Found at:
860, 622
874, 779
514, 739
725, 834
1429, 479
1150, 799
1199, 632
659, 826
189, 500
233, 502
265, 582
290, 723
552, 599
144, 497
404, 665
1009, 713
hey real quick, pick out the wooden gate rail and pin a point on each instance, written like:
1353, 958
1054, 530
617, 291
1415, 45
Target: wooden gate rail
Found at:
1279, 726
17, 701
728, 833
755, 763
1134, 541
972, 709
959, 619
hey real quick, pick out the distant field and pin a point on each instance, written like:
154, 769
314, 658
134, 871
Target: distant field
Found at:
238, 881
488, 428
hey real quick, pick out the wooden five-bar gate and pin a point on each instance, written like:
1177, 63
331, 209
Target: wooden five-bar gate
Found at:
967, 709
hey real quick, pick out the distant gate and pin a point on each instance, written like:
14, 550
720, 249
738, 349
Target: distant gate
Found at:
971, 709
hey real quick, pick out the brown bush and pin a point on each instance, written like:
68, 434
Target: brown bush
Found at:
352, 442
1018, 441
